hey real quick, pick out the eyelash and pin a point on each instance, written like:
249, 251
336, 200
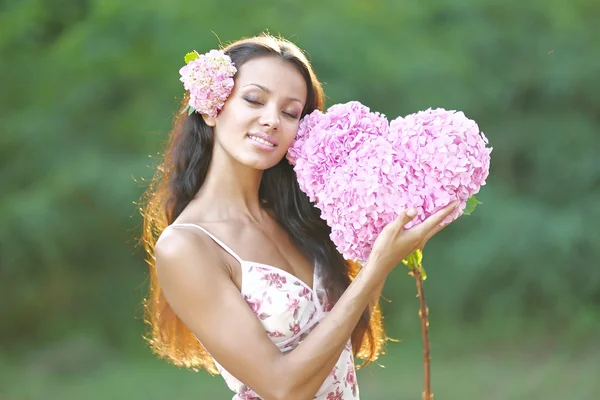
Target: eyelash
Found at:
293, 116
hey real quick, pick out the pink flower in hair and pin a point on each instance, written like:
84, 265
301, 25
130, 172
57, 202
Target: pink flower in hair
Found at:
209, 79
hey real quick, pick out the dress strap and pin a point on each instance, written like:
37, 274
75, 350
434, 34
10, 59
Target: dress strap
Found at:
213, 237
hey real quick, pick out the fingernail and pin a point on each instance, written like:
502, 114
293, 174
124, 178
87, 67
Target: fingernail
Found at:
411, 213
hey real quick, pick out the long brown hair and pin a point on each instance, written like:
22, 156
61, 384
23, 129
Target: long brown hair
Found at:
180, 176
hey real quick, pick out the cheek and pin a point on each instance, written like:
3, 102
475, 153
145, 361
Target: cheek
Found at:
290, 133
292, 130
234, 111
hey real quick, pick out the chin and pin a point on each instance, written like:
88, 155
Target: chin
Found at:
261, 163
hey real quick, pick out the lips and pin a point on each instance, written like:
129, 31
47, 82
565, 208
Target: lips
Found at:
264, 137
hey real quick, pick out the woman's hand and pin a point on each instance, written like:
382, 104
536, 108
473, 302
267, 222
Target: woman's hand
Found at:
395, 243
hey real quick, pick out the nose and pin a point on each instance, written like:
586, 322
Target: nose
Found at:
269, 118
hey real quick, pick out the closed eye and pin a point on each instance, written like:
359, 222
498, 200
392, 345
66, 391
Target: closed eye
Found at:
293, 116
251, 101
258, 103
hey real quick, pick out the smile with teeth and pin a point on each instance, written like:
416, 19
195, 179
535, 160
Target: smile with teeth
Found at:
261, 141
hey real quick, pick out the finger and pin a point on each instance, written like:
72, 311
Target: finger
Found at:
434, 220
405, 217
435, 231
431, 234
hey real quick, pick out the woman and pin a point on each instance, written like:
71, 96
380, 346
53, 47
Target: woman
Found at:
245, 280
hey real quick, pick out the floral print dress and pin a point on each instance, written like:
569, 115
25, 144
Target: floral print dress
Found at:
289, 310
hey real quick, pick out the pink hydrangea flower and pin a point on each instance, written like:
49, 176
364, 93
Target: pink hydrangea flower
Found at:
209, 79
338, 156
445, 157
361, 171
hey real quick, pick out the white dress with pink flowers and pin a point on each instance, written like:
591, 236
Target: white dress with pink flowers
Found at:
289, 310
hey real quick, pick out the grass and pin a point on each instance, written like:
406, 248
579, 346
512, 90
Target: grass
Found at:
463, 368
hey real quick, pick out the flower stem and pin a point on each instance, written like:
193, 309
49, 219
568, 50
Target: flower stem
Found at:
423, 315
416, 270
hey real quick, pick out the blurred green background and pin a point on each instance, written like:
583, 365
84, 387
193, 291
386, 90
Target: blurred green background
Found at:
89, 89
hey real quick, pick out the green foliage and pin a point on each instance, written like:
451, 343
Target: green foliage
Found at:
90, 88
471, 205
191, 56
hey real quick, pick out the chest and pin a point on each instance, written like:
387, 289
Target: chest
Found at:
266, 245
287, 308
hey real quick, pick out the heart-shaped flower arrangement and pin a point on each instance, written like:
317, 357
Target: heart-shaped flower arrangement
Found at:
361, 170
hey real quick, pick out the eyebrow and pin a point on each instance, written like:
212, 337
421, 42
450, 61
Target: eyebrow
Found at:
268, 91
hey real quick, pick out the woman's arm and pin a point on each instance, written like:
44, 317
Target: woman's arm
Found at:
198, 287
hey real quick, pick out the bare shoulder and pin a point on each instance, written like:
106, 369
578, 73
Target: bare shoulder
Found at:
184, 254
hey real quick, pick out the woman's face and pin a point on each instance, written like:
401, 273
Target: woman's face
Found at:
259, 120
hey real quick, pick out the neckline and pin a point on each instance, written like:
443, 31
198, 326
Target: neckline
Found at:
244, 262
285, 273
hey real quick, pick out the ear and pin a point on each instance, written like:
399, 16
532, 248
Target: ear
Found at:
210, 121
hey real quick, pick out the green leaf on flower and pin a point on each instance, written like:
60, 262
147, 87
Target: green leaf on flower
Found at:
471, 204
191, 56
413, 260
190, 110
